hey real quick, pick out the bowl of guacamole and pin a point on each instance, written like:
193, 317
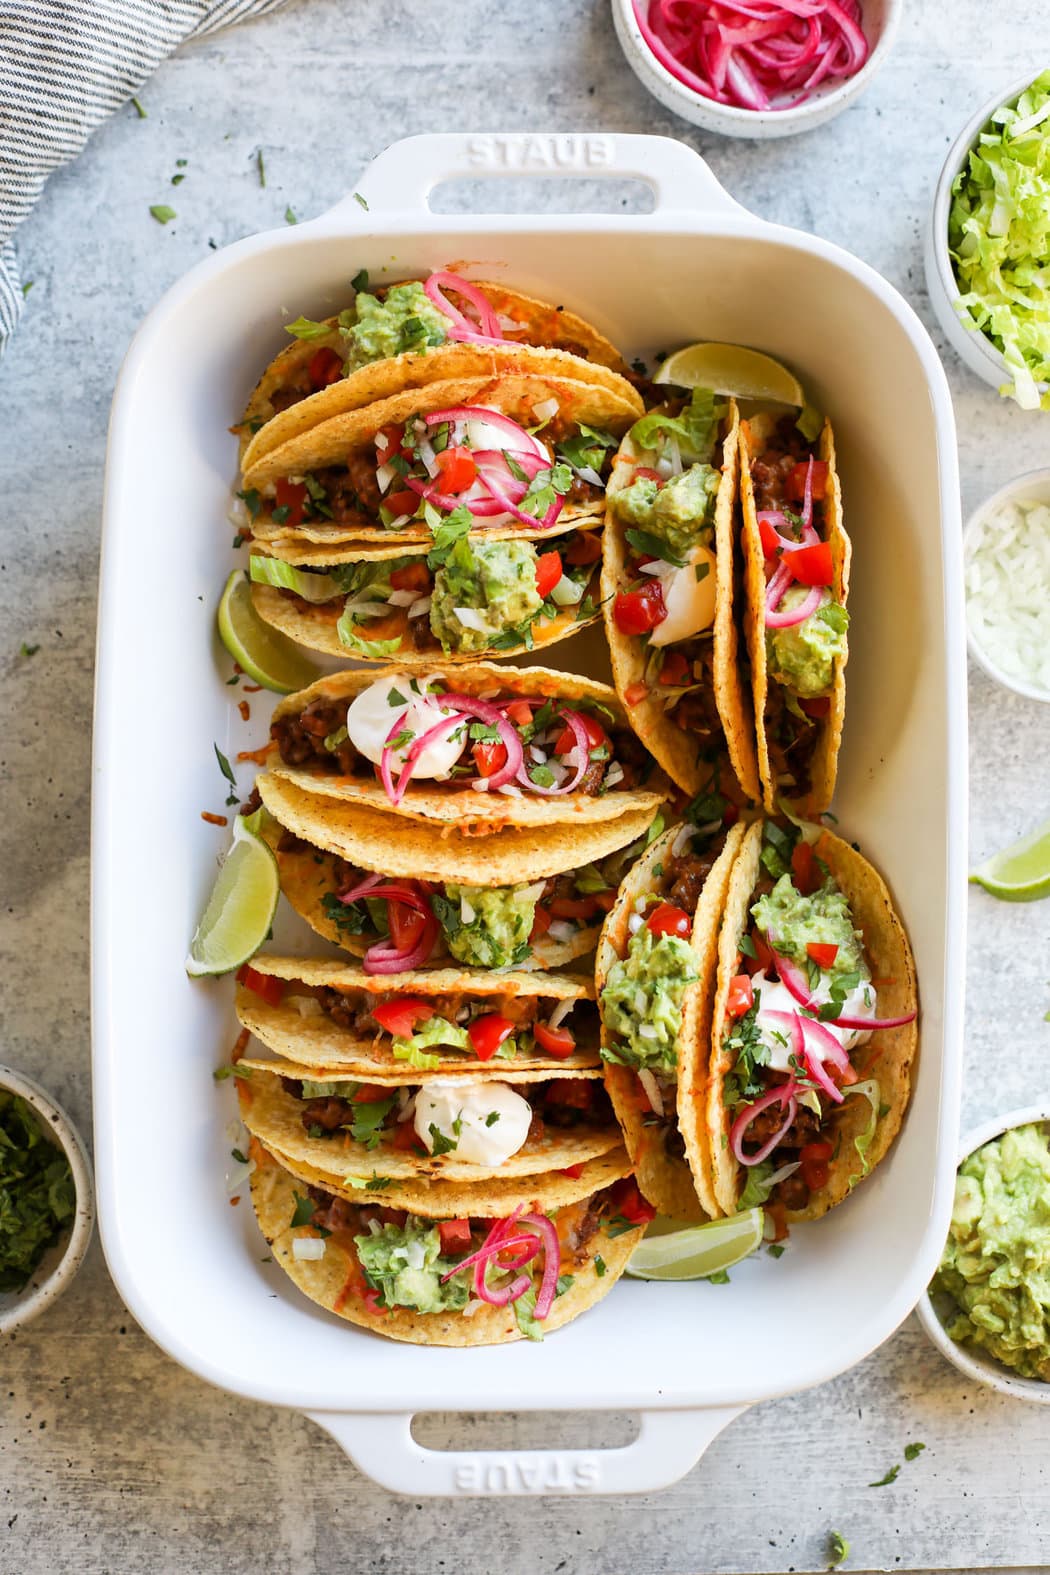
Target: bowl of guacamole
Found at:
47, 1208
987, 1308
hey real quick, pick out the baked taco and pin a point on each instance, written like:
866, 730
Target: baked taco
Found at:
472, 598
403, 335
797, 558
814, 1031
655, 979
540, 748
511, 455
319, 1012
441, 1282
399, 922
469, 1128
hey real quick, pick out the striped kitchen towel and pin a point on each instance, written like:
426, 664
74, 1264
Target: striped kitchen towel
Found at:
64, 66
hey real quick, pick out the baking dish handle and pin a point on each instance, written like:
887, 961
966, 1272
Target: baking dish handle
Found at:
401, 178
669, 1444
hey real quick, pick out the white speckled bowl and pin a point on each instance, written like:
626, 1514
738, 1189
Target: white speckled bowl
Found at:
59, 1265
974, 1363
1032, 487
970, 344
881, 19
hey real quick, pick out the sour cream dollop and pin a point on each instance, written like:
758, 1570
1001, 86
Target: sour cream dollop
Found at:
376, 709
481, 1140
690, 601
775, 997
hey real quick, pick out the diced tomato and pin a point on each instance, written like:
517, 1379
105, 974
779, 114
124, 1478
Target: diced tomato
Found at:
813, 1160
396, 1217
573, 907
400, 1015
369, 1094
414, 576
390, 440
596, 735
325, 367
741, 997
548, 573
586, 548
406, 925
634, 694
818, 707
404, 1137
487, 1033
489, 758
646, 473
558, 1042
804, 868
762, 961
666, 919
675, 668
371, 1301
731, 814
291, 495
604, 899
457, 469
519, 712
454, 1234
541, 924
770, 539
812, 565
823, 953
403, 502
795, 486
629, 1202
572, 1091
575, 1171
636, 612
265, 984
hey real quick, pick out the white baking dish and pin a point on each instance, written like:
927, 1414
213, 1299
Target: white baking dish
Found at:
688, 1357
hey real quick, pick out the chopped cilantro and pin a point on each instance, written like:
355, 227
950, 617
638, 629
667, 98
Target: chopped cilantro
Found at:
720, 1277
251, 501
280, 513
619, 1226
913, 1451
359, 281
377, 1184
28, 650
447, 531
891, 1476
140, 112
395, 697
289, 216
599, 1265
359, 199
565, 1283
162, 213
776, 1249
442, 1143
303, 1212
651, 546
838, 1548
27, 287
242, 1159
492, 1118
367, 1126
260, 165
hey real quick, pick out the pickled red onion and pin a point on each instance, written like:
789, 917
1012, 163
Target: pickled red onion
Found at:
462, 328
795, 615
784, 1093
583, 750
796, 984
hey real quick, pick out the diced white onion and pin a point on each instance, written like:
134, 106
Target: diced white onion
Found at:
466, 911
385, 475
308, 1249
237, 513
560, 1013
402, 519
480, 784
401, 598
562, 930
641, 903
784, 1172
471, 618
470, 1308
511, 789
682, 840
375, 1227
418, 608
508, 324
415, 1254
614, 775
674, 455
306, 1005
660, 567
408, 1108
635, 922
365, 609
567, 593
1008, 591
538, 754
427, 455
545, 411
652, 1088
648, 1031
587, 473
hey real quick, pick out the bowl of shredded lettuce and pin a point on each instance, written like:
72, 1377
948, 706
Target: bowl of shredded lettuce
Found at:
988, 243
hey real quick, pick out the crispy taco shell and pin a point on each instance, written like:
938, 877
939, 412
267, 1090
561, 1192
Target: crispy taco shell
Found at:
350, 438
888, 1055
382, 839
336, 1283
318, 1041
464, 808
546, 339
675, 747
676, 1186
754, 435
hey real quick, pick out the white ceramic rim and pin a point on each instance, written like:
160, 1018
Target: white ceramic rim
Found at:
39, 1294
984, 358
1012, 491
984, 1369
727, 118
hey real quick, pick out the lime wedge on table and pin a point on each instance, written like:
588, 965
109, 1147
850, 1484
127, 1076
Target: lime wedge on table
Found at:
240, 909
267, 655
731, 369
700, 1250
1021, 872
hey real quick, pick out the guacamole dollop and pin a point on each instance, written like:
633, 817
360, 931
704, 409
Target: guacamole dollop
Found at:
821, 918
802, 657
678, 514
404, 1263
493, 583
405, 319
642, 1000
498, 933
996, 1264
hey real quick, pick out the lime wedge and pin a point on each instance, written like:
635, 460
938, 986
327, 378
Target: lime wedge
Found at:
701, 1250
240, 909
1021, 872
731, 369
267, 655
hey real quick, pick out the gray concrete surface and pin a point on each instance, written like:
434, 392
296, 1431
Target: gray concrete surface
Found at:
111, 1457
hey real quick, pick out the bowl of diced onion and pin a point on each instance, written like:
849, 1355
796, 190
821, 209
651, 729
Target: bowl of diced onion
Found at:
1006, 546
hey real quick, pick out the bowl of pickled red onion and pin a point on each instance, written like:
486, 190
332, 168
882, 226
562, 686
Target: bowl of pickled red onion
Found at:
756, 68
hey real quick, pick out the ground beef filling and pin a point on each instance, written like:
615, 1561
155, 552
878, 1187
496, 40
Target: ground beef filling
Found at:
563, 1104
770, 471
791, 741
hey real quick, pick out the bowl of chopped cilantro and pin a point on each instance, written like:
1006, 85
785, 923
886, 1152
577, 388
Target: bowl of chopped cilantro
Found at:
47, 1208
989, 239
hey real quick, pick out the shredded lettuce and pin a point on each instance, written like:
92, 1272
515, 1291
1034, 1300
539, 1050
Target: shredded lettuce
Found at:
375, 650
695, 428
870, 1090
435, 1031
307, 583
757, 1187
999, 239
338, 1088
